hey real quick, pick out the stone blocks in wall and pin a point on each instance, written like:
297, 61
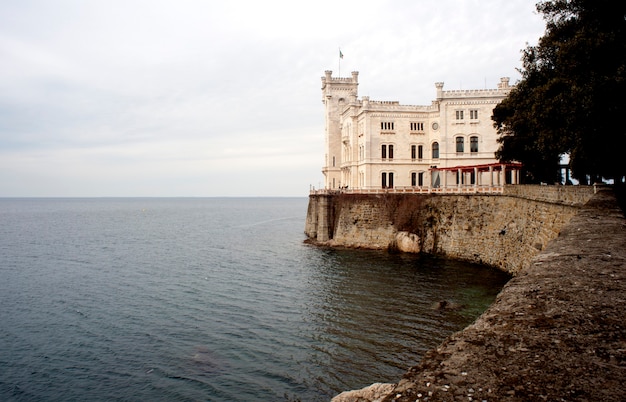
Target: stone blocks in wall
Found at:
504, 231
570, 195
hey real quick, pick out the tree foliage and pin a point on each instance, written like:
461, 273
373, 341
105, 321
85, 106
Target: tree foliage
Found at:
572, 95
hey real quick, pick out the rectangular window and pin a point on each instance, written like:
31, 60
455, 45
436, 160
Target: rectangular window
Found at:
390, 151
413, 151
383, 151
474, 114
386, 125
417, 126
459, 115
390, 180
384, 180
460, 144
420, 152
413, 179
420, 179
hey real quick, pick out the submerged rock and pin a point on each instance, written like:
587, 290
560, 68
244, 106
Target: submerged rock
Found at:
447, 305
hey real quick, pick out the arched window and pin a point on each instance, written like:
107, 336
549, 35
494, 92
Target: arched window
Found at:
435, 150
387, 180
460, 144
386, 151
417, 179
473, 144
413, 151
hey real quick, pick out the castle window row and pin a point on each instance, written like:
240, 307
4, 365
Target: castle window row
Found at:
386, 179
417, 179
417, 151
460, 114
415, 126
460, 144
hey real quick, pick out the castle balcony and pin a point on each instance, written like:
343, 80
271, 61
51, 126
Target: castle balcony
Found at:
498, 189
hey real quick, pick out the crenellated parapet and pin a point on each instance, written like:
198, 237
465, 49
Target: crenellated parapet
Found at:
503, 89
328, 78
396, 106
472, 93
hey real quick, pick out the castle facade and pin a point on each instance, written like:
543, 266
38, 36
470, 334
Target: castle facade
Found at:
373, 145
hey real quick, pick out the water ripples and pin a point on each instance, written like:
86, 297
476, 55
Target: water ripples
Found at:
209, 299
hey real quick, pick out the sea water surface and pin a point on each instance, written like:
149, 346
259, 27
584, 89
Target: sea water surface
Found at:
209, 299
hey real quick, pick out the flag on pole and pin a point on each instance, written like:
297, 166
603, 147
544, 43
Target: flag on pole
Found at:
340, 54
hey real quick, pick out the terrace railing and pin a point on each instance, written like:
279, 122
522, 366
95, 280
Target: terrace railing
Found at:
415, 190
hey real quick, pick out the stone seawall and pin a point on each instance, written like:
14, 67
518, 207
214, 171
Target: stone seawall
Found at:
570, 195
505, 231
555, 332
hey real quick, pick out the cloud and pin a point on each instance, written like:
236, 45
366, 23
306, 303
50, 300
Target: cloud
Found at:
164, 98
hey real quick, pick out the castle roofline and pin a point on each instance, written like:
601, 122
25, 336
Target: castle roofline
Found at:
503, 87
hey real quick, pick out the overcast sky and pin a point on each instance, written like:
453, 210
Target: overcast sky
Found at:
220, 98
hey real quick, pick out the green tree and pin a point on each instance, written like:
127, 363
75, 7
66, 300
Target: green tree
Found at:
572, 95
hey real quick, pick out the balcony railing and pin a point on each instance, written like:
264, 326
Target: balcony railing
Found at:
415, 190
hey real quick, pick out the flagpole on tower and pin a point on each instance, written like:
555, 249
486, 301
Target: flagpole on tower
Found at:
340, 57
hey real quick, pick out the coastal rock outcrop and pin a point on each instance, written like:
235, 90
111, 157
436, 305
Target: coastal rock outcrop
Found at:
406, 242
373, 393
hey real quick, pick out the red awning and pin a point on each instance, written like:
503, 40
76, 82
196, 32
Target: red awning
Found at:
482, 168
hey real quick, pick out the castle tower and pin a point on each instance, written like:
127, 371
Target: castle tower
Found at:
337, 93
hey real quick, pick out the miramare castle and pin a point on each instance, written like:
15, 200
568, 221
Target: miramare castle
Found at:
374, 145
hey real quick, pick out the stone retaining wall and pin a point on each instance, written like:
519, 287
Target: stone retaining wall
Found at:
504, 231
570, 195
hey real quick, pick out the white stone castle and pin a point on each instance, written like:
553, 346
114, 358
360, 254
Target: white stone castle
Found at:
383, 145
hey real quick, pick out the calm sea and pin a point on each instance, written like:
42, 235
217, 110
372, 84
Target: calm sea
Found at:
209, 299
